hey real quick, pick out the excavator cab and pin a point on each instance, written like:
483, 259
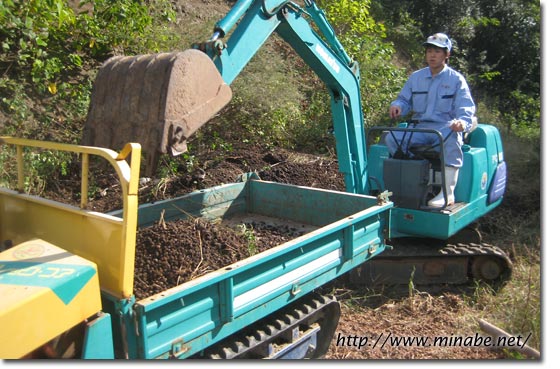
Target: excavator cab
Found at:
157, 100
413, 177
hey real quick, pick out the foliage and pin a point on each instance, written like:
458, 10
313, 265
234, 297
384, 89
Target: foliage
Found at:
365, 40
496, 44
39, 167
49, 55
128, 27
35, 39
49, 51
514, 48
523, 112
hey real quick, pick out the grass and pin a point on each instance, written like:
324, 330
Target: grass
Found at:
515, 308
515, 226
248, 233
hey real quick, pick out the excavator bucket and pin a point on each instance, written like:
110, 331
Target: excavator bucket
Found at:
158, 100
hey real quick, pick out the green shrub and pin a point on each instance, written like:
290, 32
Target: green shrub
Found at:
50, 54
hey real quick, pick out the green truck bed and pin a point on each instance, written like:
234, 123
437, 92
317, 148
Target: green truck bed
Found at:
345, 231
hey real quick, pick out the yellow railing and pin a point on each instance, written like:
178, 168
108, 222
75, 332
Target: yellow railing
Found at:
106, 240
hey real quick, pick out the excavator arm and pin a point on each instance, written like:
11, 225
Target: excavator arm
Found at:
160, 100
321, 50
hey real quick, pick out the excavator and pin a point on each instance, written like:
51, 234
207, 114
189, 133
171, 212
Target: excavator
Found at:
78, 265
160, 100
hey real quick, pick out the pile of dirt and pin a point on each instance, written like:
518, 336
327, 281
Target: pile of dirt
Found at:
168, 254
171, 253
212, 168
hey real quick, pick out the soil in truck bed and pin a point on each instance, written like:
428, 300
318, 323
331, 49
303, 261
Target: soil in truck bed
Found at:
171, 253
168, 254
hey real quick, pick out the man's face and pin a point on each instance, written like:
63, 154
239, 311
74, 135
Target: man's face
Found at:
436, 56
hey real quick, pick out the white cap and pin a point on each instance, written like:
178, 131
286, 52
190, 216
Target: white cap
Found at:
439, 40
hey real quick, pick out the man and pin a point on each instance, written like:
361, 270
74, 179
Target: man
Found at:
439, 98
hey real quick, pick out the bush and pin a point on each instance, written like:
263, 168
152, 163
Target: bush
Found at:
50, 53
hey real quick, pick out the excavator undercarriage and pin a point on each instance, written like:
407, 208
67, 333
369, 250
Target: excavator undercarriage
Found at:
462, 259
424, 263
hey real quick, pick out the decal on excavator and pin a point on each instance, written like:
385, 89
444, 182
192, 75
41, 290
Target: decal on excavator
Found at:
484, 181
327, 58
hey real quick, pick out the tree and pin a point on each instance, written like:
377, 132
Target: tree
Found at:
496, 45
509, 60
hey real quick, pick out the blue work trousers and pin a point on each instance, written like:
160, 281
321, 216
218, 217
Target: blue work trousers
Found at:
452, 145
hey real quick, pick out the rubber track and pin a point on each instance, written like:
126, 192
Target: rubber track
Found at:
253, 340
427, 249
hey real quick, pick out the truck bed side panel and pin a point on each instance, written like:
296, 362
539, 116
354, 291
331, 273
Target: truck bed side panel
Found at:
188, 318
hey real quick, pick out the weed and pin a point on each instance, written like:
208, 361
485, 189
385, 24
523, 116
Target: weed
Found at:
516, 307
251, 242
411, 289
161, 188
248, 233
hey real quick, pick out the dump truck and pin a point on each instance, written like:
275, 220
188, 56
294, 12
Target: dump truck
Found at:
66, 272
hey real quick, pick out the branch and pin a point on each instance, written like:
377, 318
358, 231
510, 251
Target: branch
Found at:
497, 332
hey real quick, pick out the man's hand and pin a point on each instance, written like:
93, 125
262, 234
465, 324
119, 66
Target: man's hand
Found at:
458, 125
395, 111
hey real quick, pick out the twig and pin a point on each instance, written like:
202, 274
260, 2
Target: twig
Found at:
142, 281
179, 275
162, 184
201, 254
162, 219
184, 212
275, 164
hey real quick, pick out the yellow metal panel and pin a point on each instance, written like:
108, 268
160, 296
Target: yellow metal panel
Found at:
44, 291
94, 236
108, 241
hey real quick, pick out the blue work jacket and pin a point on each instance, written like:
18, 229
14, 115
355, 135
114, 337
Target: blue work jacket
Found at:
438, 99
